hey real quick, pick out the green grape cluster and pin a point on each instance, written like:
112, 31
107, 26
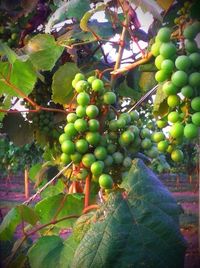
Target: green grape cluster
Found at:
10, 34
99, 141
179, 75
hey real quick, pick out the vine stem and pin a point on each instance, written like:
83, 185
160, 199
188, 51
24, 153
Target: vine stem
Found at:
46, 185
33, 111
87, 192
18, 91
132, 65
23, 239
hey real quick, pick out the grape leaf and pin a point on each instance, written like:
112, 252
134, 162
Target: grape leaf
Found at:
5, 104
52, 251
62, 83
125, 91
160, 107
85, 19
21, 75
48, 208
18, 130
14, 217
34, 170
147, 81
149, 6
68, 10
43, 51
5, 50
136, 229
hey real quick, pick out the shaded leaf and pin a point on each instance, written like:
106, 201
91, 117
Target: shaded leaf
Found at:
147, 81
68, 10
5, 105
59, 187
62, 83
18, 130
5, 50
128, 225
14, 217
50, 251
45, 252
125, 91
43, 51
82, 225
22, 75
34, 170
160, 107
47, 208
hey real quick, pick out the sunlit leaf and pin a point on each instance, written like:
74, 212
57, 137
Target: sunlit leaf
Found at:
160, 107
62, 83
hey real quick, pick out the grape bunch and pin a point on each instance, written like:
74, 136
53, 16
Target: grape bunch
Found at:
179, 75
99, 141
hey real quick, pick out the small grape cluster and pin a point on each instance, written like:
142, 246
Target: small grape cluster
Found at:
10, 34
179, 75
98, 140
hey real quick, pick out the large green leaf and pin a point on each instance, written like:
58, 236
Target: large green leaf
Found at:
20, 74
13, 219
62, 83
48, 208
52, 251
136, 229
18, 130
5, 50
43, 51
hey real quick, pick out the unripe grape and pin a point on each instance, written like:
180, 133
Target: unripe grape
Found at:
162, 146
134, 130
76, 157
91, 79
68, 147
97, 85
121, 123
127, 162
81, 111
155, 48
173, 117
169, 88
93, 125
179, 78
127, 137
161, 123
167, 65
190, 131
126, 117
100, 153
111, 148
134, 115
79, 76
168, 50
65, 158
177, 155
81, 146
63, 137
187, 91
164, 34
158, 61
118, 157
105, 181
161, 76
81, 125
194, 79
97, 168
81, 86
173, 101
71, 117
146, 143
93, 138
157, 136
109, 98
190, 32
195, 59
108, 161
196, 119
83, 98
195, 104
70, 130
88, 160
176, 130
183, 63
191, 46
92, 111
145, 133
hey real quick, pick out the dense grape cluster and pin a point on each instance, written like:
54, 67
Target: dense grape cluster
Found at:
179, 75
98, 140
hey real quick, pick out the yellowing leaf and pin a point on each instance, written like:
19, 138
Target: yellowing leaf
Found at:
165, 4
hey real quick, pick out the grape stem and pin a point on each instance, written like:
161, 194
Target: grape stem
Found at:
87, 191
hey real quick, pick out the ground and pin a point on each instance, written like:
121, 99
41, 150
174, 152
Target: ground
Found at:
185, 191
